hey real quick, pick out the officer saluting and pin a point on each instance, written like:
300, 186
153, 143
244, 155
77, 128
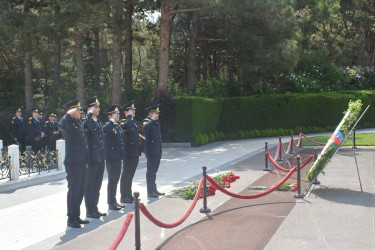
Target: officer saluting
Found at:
94, 134
52, 131
76, 154
113, 152
132, 152
19, 129
36, 132
151, 129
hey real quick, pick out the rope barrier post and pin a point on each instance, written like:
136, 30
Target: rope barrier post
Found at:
316, 182
137, 222
298, 194
265, 154
204, 209
280, 149
291, 144
354, 146
300, 143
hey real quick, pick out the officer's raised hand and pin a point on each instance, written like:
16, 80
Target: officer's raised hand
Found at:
75, 113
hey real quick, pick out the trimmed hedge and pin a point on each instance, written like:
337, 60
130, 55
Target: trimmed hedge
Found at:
197, 115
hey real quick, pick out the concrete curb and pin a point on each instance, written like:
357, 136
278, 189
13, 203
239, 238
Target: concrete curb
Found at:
33, 179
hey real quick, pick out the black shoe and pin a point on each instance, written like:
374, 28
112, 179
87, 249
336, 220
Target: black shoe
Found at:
73, 223
119, 205
100, 213
126, 200
93, 215
80, 221
152, 195
158, 193
114, 206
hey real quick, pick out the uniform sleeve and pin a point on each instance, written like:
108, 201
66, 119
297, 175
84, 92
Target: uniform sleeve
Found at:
147, 124
64, 122
14, 128
107, 128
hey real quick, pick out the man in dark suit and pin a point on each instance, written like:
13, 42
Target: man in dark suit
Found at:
131, 153
75, 161
94, 134
19, 130
51, 131
151, 129
36, 131
113, 152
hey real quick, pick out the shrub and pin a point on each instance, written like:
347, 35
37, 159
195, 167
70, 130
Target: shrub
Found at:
211, 137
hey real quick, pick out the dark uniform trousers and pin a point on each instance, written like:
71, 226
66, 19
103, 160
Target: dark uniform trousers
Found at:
130, 165
94, 181
153, 162
114, 171
76, 187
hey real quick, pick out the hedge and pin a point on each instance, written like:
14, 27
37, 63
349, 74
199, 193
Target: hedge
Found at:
196, 115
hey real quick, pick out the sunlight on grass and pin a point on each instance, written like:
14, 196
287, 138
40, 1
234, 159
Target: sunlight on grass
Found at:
360, 140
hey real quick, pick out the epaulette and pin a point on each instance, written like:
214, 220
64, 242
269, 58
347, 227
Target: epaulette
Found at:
46, 122
122, 122
145, 120
14, 118
30, 118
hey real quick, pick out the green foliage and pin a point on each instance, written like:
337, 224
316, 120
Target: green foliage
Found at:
213, 88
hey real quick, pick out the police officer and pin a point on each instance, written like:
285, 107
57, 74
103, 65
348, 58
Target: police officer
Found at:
51, 131
151, 129
132, 152
94, 134
75, 161
19, 129
113, 152
35, 129
44, 139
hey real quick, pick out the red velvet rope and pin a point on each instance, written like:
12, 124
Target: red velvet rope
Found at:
319, 143
252, 196
122, 232
289, 146
285, 169
144, 210
277, 151
299, 141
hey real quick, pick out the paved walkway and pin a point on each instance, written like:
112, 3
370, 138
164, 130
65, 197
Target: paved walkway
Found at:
35, 217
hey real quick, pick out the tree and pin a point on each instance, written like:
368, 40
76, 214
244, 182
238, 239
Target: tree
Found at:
164, 46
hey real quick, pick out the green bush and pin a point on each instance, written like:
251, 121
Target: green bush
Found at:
211, 137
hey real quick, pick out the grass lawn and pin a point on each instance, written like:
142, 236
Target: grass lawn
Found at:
360, 140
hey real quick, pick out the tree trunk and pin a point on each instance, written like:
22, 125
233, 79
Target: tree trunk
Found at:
56, 74
192, 52
128, 47
28, 82
230, 62
97, 59
28, 66
80, 66
116, 69
205, 61
164, 46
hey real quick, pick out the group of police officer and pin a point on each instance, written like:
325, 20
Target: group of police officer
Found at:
90, 146
35, 131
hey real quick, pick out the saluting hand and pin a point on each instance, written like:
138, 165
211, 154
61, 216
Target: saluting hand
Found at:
91, 109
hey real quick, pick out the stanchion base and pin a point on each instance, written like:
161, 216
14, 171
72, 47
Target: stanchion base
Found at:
291, 153
354, 148
266, 169
300, 147
205, 210
280, 160
299, 196
316, 182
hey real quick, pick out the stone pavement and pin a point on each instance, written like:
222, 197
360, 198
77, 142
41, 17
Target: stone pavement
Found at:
35, 217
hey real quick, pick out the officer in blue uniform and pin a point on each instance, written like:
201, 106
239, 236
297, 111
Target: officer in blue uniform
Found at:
19, 129
94, 134
51, 131
153, 151
43, 140
36, 130
131, 153
113, 152
76, 155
